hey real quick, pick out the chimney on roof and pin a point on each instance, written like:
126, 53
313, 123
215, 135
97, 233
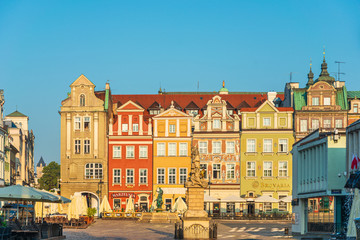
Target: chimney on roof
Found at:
271, 96
107, 86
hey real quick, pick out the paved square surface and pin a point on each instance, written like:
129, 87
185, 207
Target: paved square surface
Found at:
120, 229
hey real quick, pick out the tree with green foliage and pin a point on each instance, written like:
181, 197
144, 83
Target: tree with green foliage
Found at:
50, 177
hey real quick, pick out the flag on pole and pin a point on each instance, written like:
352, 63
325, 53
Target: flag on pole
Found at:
354, 162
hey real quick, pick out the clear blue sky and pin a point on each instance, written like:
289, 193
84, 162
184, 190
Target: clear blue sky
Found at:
136, 45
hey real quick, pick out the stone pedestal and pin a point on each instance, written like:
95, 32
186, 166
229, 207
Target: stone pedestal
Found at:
195, 201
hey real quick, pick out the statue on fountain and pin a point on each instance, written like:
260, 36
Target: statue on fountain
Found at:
197, 175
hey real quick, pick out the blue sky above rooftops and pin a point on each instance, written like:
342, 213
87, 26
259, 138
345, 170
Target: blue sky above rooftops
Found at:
138, 45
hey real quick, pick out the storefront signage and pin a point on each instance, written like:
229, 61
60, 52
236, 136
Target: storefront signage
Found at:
122, 194
274, 185
336, 191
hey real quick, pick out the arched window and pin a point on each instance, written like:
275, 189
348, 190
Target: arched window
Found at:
93, 171
82, 100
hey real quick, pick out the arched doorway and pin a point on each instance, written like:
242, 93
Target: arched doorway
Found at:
92, 200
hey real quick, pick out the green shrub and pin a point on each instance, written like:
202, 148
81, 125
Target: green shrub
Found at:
91, 212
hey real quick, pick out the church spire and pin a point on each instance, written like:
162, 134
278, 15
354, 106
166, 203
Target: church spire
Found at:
324, 75
310, 76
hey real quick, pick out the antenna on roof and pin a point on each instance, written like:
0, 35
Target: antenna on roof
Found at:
338, 62
16, 107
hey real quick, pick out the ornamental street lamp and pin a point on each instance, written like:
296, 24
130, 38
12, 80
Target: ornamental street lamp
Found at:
209, 176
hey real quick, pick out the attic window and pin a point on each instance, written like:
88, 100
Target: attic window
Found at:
254, 97
82, 100
154, 112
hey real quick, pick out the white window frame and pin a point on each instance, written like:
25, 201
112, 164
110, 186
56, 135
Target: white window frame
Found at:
216, 123
337, 125
128, 177
327, 101
268, 169
203, 147
283, 169
283, 142
230, 149
143, 151
315, 101
303, 125
172, 128
135, 127
355, 108
116, 177
160, 150
230, 171
95, 171
315, 126
266, 144
172, 149
116, 152
216, 147
130, 152
87, 146
266, 121
143, 176
77, 123
171, 175
162, 174
249, 145
183, 149
251, 168
327, 123
182, 175
124, 127
217, 170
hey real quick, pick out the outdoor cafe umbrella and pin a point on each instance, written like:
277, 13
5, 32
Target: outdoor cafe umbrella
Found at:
233, 198
179, 206
266, 199
129, 205
22, 193
287, 199
105, 206
208, 198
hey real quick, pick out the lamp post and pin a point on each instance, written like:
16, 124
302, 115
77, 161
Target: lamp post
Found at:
98, 192
209, 176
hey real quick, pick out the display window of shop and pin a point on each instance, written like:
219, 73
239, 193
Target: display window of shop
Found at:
117, 203
230, 207
168, 204
282, 205
267, 207
321, 214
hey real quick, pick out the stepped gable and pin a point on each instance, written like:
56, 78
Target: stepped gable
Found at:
152, 101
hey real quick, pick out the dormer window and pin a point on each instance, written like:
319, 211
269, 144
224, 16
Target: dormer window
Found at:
193, 112
355, 108
230, 112
326, 101
315, 101
154, 112
82, 100
216, 123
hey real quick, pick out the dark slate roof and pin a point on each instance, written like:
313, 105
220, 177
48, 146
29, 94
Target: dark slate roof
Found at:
243, 104
176, 106
155, 105
16, 114
229, 106
41, 162
192, 106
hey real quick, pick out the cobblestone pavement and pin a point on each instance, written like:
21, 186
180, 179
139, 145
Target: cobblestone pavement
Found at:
118, 229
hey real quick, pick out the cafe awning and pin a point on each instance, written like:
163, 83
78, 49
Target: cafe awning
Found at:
208, 198
22, 193
287, 199
266, 199
233, 198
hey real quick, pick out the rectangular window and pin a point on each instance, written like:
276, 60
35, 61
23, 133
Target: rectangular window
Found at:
216, 123
130, 151
172, 149
143, 152
193, 112
315, 101
230, 112
203, 148
268, 145
135, 127
216, 171
130, 176
125, 127
327, 123
303, 125
230, 171
77, 121
203, 166
267, 207
143, 176
282, 205
116, 176
161, 175
250, 169
117, 203
172, 175
116, 152
338, 123
86, 123
283, 145
250, 146
283, 169
266, 122
183, 149
267, 169
172, 128
183, 175
161, 149
355, 108
77, 146
216, 147
86, 146
314, 124
230, 147
326, 101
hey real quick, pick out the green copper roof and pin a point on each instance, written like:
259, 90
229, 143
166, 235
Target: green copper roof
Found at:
224, 90
353, 94
341, 98
16, 114
299, 98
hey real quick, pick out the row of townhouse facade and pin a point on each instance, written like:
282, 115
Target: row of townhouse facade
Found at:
130, 145
16, 148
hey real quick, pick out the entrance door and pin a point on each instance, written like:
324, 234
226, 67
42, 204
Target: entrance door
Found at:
251, 208
143, 207
216, 209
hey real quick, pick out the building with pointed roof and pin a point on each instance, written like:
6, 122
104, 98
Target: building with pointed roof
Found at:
39, 167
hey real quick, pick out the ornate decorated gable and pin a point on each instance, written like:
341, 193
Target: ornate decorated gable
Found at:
320, 96
267, 107
130, 106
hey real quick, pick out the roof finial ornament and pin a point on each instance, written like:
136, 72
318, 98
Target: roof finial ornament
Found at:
324, 53
223, 83
310, 76
172, 104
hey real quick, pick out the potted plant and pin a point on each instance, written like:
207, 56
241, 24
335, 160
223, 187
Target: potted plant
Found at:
91, 213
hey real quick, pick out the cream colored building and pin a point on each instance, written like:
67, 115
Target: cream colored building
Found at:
84, 129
